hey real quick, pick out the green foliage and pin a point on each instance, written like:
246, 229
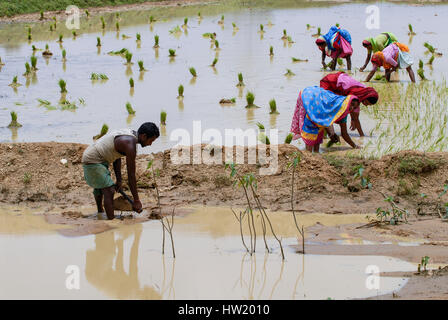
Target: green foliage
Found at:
33, 60
98, 76
250, 98
64, 54
139, 37
163, 117
429, 47
271, 50
27, 69
288, 138
273, 107
103, 23
193, 72
129, 108
180, 91
104, 129
131, 83
185, 21
172, 52
240, 77
140, 65
216, 44
261, 28
416, 165
62, 85
260, 126
318, 31
98, 41
60, 38
431, 60
14, 123
156, 40
364, 181
27, 178
128, 57
215, 61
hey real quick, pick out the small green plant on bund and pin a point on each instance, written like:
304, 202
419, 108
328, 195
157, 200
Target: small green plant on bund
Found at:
364, 181
14, 123
104, 130
393, 216
27, 178
423, 263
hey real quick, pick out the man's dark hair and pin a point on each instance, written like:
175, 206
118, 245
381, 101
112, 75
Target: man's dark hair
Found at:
150, 129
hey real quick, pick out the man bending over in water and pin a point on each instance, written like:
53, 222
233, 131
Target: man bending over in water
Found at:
109, 149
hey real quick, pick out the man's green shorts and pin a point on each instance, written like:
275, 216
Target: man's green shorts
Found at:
97, 175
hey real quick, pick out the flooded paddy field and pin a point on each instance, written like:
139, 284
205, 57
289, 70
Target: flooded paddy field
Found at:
245, 51
47, 212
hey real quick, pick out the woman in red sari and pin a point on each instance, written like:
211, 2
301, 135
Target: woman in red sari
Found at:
342, 84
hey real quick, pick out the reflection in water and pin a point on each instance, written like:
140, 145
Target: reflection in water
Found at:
163, 130
181, 105
129, 119
250, 115
273, 120
141, 76
115, 282
14, 132
128, 72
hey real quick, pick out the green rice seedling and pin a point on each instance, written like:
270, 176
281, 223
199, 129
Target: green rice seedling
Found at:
62, 86
117, 26
250, 98
337, 25
14, 82
421, 74
156, 41
176, 30
420, 64
27, 178
87, 13
117, 15
103, 23
163, 118
289, 73
185, 22
129, 108
290, 40
222, 20
285, 35
139, 37
131, 83
94, 76
98, 41
47, 51
60, 38
141, 67
308, 26
288, 138
29, 34
67, 105
271, 51
429, 47
263, 138
33, 47
431, 60
216, 45
27, 69
64, 55
340, 61
318, 31
273, 107
215, 61
152, 19
41, 15
261, 28
51, 27
33, 60
14, 123
180, 91
240, 80
199, 15
74, 34
411, 30
193, 72
128, 57
172, 52
260, 126
104, 130
234, 25
298, 60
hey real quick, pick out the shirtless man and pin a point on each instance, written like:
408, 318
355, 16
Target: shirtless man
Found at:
109, 149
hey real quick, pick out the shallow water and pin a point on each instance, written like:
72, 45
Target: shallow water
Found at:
242, 51
126, 263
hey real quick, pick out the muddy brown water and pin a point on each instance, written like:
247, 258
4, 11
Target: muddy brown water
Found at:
243, 51
126, 262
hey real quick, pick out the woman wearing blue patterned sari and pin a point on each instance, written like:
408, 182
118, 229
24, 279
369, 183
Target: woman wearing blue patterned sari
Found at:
316, 111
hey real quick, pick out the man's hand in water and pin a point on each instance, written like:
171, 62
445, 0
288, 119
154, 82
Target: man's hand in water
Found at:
137, 206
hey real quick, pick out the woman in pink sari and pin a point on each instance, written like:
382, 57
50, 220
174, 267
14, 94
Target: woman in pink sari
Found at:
336, 43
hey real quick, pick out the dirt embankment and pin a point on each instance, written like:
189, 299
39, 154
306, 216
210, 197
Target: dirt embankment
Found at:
61, 14
33, 172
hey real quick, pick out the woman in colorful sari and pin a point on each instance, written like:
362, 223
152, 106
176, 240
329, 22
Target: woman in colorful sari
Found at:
395, 56
316, 111
379, 43
342, 84
336, 44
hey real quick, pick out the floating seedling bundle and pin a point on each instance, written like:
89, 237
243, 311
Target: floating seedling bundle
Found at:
250, 99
